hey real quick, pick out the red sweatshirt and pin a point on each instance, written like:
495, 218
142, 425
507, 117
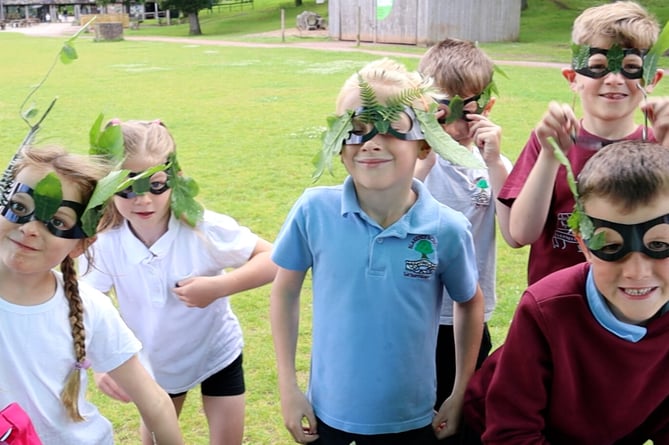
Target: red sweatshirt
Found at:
561, 378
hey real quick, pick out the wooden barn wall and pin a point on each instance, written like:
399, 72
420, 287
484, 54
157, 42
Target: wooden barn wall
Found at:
424, 22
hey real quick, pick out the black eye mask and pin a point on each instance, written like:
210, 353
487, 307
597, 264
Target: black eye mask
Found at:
24, 210
615, 58
632, 236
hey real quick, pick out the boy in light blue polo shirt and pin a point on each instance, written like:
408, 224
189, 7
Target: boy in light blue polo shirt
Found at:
380, 249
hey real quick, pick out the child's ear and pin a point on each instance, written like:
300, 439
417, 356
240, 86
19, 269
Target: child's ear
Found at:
659, 74
570, 75
488, 107
583, 247
424, 150
81, 246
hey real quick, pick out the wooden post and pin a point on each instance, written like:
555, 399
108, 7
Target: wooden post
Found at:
283, 25
357, 34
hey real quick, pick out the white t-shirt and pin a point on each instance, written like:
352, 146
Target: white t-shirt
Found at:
183, 345
38, 356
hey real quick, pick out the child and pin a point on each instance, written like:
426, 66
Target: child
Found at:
609, 82
585, 358
381, 249
54, 327
460, 69
171, 285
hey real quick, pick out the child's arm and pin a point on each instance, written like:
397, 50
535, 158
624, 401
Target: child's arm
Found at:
487, 137
153, 403
468, 330
529, 211
284, 317
257, 271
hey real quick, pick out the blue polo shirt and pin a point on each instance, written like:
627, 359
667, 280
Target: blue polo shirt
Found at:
376, 303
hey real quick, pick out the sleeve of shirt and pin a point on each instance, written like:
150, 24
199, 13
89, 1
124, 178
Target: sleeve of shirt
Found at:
518, 392
231, 244
521, 169
460, 276
110, 342
96, 274
291, 248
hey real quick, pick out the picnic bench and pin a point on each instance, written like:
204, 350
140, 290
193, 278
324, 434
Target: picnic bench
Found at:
231, 3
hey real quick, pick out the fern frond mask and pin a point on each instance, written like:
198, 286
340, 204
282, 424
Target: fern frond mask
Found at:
397, 117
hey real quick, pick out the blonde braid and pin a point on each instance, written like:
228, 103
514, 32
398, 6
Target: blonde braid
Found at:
70, 394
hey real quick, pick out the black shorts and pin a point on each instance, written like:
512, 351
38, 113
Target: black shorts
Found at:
229, 381
332, 436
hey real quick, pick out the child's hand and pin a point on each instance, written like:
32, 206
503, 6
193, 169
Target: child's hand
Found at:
657, 110
446, 422
108, 386
298, 416
423, 166
199, 291
486, 136
559, 123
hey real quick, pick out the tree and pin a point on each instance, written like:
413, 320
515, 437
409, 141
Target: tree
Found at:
298, 2
189, 8
523, 5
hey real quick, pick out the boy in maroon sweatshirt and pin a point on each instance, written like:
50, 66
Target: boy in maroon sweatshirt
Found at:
586, 359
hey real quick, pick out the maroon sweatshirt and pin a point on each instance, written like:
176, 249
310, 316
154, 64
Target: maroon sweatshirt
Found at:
561, 378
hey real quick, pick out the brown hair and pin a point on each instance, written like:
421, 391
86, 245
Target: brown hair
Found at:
623, 22
458, 67
84, 172
629, 173
149, 139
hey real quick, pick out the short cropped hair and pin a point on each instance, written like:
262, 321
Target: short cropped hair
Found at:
458, 67
625, 23
387, 78
629, 173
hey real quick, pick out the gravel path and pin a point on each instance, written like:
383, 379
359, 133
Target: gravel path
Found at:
67, 29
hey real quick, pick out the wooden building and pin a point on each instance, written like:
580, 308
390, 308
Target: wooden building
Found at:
424, 22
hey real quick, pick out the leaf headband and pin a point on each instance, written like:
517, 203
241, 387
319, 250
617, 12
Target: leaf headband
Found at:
109, 143
382, 116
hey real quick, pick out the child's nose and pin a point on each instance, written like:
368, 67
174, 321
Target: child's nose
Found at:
32, 228
637, 265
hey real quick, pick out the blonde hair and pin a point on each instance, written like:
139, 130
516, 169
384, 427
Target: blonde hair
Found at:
387, 78
84, 172
625, 23
458, 67
151, 141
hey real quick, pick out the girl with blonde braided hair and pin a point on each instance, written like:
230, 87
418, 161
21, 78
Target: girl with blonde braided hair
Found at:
53, 326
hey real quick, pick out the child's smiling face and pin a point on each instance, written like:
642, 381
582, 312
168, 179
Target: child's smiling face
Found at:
636, 286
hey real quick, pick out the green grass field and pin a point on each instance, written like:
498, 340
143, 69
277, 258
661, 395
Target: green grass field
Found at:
247, 122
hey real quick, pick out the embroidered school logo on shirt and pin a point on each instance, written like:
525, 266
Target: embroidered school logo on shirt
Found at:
481, 196
422, 267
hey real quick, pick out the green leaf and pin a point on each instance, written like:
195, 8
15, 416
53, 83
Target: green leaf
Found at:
184, 189
579, 56
455, 109
105, 189
652, 58
30, 113
333, 137
442, 143
48, 196
562, 159
108, 142
615, 57
67, 53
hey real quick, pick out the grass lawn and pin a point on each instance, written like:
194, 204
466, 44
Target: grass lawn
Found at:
247, 122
